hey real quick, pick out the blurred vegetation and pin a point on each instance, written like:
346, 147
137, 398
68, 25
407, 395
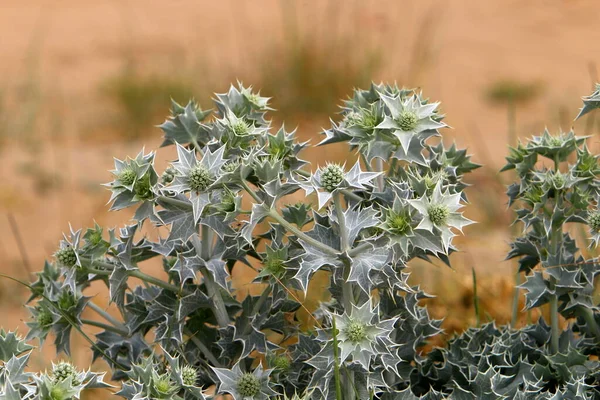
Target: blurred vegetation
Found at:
509, 90
141, 99
311, 79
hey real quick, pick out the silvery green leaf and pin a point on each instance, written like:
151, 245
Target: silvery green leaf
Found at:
259, 212
199, 202
184, 125
11, 345
218, 225
314, 259
334, 135
590, 102
364, 263
184, 269
297, 214
193, 302
537, 291
358, 219
14, 369
9, 392
181, 219
118, 285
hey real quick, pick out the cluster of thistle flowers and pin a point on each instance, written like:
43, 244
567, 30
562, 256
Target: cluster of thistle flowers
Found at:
63, 382
401, 200
551, 194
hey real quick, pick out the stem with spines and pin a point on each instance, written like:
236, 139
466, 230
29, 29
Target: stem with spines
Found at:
203, 250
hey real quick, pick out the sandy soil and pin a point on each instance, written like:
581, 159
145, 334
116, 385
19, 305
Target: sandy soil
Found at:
453, 49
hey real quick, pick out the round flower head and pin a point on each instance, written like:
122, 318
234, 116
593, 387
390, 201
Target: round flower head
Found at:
331, 177
440, 211
408, 117
44, 317
168, 175
196, 176
398, 223
281, 363
127, 176
248, 385
66, 257
407, 120
199, 178
239, 127
362, 118
593, 221
359, 331
245, 385
64, 370
438, 214
189, 375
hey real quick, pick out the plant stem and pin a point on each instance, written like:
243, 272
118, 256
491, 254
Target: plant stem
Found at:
106, 315
106, 327
359, 249
135, 273
554, 318
301, 235
337, 201
212, 288
175, 202
275, 215
380, 178
588, 315
515, 304
203, 348
155, 281
263, 297
336, 361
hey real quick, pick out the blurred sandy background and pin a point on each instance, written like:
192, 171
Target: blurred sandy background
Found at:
83, 81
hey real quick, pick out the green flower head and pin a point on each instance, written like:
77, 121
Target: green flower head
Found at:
331, 177
63, 371
398, 223
245, 385
189, 375
358, 332
67, 257
440, 211
438, 214
594, 221
44, 317
248, 385
199, 178
407, 120
127, 176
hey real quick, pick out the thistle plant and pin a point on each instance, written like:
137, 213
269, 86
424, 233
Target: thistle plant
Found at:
227, 202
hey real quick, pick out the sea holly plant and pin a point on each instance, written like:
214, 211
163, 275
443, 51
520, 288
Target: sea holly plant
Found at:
182, 327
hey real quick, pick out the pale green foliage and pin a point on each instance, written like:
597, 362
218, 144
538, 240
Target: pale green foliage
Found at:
192, 328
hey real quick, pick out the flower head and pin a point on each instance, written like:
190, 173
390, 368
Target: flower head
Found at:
65, 370
331, 177
408, 117
439, 211
197, 176
189, 375
67, 254
593, 221
67, 257
359, 331
245, 385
